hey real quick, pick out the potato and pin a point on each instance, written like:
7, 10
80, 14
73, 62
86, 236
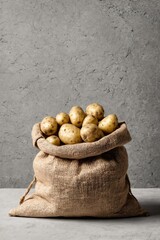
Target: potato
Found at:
49, 126
95, 110
54, 140
109, 123
62, 118
91, 133
69, 134
77, 116
90, 119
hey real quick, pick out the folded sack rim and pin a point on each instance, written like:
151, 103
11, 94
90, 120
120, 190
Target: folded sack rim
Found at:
115, 139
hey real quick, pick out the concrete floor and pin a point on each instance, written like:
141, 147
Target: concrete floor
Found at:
146, 228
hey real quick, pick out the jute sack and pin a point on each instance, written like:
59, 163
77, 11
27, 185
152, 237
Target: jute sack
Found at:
85, 179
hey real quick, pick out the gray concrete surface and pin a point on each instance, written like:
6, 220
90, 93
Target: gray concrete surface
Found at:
141, 228
56, 54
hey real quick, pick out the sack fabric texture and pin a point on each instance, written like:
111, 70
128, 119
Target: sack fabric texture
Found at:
80, 180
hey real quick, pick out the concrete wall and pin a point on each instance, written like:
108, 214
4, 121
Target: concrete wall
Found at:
58, 53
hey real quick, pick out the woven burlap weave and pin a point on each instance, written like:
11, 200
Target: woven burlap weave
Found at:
86, 179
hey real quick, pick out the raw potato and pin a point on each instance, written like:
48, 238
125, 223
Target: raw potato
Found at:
69, 134
54, 140
109, 123
62, 118
95, 110
78, 126
91, 133
77, 116
90, 119
49, 126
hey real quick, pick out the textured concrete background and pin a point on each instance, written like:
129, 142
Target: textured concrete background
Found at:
58, 53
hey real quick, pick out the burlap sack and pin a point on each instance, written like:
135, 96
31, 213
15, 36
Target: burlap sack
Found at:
86, 179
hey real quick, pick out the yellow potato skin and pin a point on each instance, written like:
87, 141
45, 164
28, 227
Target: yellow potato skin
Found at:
77, 116
49, 125
62, 118
95, 110
54, 140
69, 134
109, 123
91, 133
90, 119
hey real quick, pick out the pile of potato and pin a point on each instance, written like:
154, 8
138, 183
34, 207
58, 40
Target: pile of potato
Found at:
78, 126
